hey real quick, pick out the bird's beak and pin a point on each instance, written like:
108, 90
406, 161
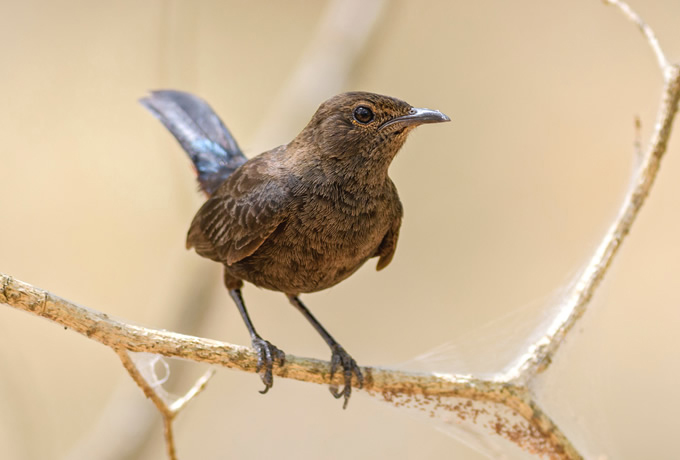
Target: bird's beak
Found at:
416, 117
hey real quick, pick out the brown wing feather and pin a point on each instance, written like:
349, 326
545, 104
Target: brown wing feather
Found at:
242, 213
388, 245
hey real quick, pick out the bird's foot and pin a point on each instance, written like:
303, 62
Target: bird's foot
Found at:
267, 355
341, 358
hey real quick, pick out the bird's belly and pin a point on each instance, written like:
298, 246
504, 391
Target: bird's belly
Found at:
307, 256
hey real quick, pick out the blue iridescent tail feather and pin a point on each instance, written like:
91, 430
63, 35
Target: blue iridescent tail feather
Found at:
208, 143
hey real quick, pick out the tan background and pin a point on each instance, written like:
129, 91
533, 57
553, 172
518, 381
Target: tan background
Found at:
503, 206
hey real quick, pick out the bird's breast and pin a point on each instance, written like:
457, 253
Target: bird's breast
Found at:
325, 239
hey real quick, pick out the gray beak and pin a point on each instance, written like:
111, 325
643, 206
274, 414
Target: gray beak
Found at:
416, 117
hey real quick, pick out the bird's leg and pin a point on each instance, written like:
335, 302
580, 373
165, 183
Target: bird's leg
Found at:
339, 358
267, 353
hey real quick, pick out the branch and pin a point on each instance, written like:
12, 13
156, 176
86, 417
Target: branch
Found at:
540, 354
645, 29
524, 424
168, 412
502, 406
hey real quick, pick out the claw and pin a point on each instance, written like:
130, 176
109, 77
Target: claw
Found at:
341, 358
267, 354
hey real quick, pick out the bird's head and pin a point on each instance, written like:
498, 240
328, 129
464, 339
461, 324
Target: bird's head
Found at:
362, 127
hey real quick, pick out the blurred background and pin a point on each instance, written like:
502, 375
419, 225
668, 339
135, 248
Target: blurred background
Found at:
503, 206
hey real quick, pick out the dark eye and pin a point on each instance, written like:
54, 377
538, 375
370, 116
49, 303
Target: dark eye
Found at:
363, 114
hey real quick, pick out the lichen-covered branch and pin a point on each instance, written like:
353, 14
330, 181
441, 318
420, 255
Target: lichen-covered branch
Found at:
526, 424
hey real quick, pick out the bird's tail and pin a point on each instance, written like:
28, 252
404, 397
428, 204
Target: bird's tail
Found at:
211, 147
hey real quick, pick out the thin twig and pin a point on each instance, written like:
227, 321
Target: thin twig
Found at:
151, 393
168, 412
198, 386
540, 353
646, 31
637, 141
114, 419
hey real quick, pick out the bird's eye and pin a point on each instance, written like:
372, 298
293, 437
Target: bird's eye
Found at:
363, 114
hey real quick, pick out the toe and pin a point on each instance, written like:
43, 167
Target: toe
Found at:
267, 354
341, 358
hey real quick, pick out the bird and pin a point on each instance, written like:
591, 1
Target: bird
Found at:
301, 217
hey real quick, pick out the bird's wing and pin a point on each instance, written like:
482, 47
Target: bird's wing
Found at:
388, 245
242, 213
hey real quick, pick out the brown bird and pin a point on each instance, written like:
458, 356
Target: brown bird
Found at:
303, 216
